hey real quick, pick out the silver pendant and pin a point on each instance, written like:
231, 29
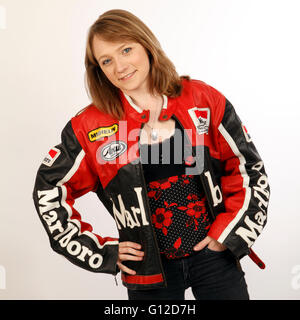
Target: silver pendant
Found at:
154, 135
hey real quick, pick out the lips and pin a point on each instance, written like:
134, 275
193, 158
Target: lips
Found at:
129, 75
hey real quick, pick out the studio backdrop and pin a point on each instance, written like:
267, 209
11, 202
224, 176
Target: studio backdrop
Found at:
248, 50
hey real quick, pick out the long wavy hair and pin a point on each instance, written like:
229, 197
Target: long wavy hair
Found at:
116, 25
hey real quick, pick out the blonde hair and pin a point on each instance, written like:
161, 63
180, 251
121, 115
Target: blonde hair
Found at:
116, 25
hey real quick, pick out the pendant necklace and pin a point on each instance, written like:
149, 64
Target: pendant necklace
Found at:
154, 133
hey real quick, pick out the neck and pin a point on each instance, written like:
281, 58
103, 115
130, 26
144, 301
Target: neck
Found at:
146, 100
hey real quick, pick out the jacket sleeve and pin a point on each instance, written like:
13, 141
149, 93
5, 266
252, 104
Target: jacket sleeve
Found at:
244, 185
63, 176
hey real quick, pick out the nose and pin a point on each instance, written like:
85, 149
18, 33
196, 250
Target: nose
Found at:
120, 66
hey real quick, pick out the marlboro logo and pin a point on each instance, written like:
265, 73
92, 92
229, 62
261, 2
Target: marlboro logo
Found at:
201, 118
52, 155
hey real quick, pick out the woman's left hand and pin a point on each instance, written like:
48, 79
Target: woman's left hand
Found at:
211, 243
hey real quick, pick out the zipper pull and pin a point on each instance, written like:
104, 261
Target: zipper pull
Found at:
116, 280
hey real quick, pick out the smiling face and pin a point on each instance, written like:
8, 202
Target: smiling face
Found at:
125, 64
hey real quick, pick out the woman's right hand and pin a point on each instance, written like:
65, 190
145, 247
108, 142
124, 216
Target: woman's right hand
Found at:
129, 251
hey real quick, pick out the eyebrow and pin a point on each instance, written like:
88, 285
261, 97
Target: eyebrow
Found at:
105, 55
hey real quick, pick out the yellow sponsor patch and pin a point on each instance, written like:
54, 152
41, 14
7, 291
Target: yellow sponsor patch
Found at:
99, 133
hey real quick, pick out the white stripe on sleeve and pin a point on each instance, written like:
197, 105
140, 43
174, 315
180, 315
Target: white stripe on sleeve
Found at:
246, 179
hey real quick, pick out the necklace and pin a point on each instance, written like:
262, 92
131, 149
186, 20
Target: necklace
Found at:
154, 133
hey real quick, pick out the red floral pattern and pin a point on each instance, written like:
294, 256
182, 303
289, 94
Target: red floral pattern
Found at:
175, 251
160, 185
162, 219
195, 210
185, 179
190, 204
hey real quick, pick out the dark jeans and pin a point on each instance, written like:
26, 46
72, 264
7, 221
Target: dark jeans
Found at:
212, 275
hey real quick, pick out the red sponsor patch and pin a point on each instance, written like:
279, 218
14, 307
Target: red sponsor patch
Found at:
201, 119
201, 113
52, 155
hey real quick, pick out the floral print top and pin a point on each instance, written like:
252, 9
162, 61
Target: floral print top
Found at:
177, 202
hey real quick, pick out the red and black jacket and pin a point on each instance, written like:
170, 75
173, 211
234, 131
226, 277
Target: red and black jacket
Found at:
101, 154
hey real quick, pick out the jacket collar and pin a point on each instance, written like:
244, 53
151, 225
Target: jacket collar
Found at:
142, 115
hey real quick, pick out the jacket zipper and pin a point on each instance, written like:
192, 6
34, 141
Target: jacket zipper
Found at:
187, 138
212, 213
114, 274
149, 210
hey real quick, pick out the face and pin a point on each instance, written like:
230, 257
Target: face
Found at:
125, 64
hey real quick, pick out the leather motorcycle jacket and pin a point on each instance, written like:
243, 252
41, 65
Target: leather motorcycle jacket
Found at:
101, 154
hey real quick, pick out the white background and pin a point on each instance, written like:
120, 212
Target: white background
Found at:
248, 50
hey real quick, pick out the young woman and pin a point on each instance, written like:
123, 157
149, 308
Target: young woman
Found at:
172, 163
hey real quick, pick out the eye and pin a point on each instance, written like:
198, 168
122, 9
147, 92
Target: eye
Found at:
126, 50
106, 61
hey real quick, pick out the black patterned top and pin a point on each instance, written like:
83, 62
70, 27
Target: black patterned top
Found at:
177, 201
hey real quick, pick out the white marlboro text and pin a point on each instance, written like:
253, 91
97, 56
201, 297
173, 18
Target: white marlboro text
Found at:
132, 219
65, 237
250, 234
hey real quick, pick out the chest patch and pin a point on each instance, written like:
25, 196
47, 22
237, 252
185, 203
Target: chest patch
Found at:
52, 155
201, 119
101, 132
113, 150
